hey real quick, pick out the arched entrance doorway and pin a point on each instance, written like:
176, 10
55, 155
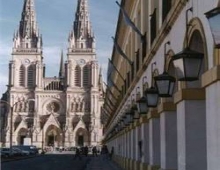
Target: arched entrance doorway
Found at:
53, 136
81, 138
21, 135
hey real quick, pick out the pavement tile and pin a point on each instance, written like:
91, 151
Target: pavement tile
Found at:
99, 163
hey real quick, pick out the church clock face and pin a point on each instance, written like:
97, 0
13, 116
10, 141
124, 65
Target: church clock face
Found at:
81, 62
26, 61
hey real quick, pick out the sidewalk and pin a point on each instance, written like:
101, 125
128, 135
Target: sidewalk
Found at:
98, 163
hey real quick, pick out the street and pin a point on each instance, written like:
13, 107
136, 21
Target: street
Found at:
55, 161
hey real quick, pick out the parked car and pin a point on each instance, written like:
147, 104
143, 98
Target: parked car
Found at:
20, 151
5, 152
27, 148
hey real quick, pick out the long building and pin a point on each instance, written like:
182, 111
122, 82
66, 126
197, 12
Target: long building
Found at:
63, 110
159, 43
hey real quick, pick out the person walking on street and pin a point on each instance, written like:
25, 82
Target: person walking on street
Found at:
105, 152
112, 152
86, 150
77, 154
94, 151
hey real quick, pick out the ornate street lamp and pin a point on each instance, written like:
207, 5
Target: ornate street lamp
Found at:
134, 108
142, 106
127, 118
151, 94
142, 102
121, 124
165, 82
188, 62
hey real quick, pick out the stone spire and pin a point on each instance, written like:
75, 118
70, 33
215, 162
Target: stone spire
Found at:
81, 36
28, 35
61, 72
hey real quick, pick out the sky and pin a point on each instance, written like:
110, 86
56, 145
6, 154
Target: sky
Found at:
55, 20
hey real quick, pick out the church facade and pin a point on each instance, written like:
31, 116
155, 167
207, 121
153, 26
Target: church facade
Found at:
54, 111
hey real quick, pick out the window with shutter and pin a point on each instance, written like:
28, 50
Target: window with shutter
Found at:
166, 6
22, 76
153, 26
30, 81
86, 76
78, 76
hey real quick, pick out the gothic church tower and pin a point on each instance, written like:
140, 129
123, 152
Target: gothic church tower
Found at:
62, 110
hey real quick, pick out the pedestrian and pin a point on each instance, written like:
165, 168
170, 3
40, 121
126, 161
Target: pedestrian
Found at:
105, 152
112, 152
94, 151
86, 150
77, 154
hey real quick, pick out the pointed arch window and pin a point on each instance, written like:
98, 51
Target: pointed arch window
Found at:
30, 82
86, 76
78, 76
22, 76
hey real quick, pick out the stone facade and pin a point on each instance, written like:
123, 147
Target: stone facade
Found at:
54, 111
182, 131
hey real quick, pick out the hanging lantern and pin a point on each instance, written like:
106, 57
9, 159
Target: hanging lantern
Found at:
134, 112
128, 118
142, 105
188, 64
165, 84
151, 95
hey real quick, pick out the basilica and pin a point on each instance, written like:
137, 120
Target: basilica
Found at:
63, 110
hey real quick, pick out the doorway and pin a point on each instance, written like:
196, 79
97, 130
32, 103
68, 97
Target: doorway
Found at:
22, 139
51, 140
80, 140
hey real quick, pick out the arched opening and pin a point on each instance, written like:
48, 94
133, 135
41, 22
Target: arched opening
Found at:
22, 134
81, 138
53, 136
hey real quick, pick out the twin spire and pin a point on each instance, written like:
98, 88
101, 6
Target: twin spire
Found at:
81, 35
28, 35
28, 25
